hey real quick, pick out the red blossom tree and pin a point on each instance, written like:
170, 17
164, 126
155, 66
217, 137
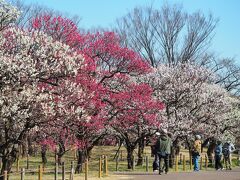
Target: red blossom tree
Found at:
106, 76
133, 114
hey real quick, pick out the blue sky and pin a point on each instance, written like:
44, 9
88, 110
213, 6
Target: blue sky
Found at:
103, 13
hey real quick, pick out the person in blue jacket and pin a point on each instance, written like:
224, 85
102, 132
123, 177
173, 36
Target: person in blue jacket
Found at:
218, 156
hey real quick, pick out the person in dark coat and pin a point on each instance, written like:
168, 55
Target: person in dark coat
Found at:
218, 156
227, 149
154, 152
163, 148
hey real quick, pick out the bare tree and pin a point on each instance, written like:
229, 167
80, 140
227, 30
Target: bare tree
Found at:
228, 75
171, 36
28, 12
168, 35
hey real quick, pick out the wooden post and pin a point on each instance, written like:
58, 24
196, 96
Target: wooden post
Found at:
34, 150
238, 157
184, 163
106, 166
180, 158
176, 164
206, 162
86, 169
17, 165
230, 158
22, 173
56, 158
75, 154
63, 170
133, 165
20, 150
27, 161
121, 155
43, 167
117, 160
201, 163
71, 171
103, 163
190, 162
40, 172
100, 168
5, 177
56, 172
147, 164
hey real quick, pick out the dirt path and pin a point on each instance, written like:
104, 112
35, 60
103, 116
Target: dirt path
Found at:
202, 175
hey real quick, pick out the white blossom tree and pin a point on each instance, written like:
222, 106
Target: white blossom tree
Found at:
30, 61
193, 103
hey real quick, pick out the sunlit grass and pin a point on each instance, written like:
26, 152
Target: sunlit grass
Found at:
109, 151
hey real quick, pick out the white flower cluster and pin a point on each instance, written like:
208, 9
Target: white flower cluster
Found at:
31, 62
8, 14
39, 54
194, 104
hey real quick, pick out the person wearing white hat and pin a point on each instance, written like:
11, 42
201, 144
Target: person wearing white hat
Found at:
153, 151
158, 133
198, 137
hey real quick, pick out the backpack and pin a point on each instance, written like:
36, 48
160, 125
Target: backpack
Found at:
225, 150
163, 147
218, 150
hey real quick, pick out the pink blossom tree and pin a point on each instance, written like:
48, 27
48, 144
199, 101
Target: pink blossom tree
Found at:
133, 115
114, 66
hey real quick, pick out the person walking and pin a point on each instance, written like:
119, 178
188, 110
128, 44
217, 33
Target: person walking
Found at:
171, 155
196, 152
210, 151
218, 156
163, 147
227, 149
154, 152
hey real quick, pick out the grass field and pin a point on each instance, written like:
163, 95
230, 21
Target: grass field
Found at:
109, 151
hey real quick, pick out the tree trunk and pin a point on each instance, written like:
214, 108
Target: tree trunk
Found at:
8, 160
171, 158
88, 153
80, 161
130, 150
140, 152
117, 152
175, 150
24, 146
61, 152
189, 147
6, 166
44, 154
30, 146
210, 151
59, 157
